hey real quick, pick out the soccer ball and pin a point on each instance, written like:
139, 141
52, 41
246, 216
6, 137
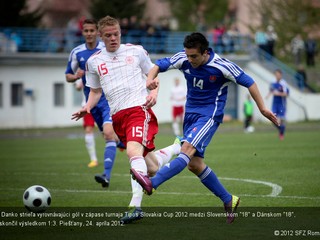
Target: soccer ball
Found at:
36, 198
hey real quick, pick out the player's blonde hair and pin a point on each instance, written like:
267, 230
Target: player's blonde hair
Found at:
107, 21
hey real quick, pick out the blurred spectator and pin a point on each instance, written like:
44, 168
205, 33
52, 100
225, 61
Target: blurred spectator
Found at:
125, 27
133, 23
3, 42
218, 32
297, 47
80, 25
261, 40
16, 42
310, 49
301, 77
272, 37
201, 25
54, 41
230, 39
72, 34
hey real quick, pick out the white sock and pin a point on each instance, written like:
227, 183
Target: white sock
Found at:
91, 146
139, 164
165, 154
176, 129
137, 194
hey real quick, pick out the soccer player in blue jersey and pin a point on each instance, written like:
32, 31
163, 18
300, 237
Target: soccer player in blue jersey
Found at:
207, 76
76, 70
280, 91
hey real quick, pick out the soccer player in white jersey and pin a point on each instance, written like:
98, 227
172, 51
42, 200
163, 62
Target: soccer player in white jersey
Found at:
76, 70
207, 76
119, 70
178, 99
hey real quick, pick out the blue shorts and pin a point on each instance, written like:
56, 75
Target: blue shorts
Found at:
279, 110
198, 130
101, 113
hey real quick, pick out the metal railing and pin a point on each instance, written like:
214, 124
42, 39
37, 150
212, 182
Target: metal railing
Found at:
60, 40
272, 63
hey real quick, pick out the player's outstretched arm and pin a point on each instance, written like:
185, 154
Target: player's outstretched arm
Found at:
74, 77
255, 94
94, 97
151, 99
79, 114
152, 83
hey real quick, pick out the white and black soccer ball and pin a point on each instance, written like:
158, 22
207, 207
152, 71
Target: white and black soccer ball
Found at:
36, 198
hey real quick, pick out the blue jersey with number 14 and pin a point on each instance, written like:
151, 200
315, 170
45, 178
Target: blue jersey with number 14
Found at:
208, 84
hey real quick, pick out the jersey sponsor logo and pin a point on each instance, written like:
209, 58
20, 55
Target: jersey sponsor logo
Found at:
129, 60
187, 71
82, 59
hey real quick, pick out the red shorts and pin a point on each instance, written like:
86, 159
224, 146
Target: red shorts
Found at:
136, 124
88, 120
177, 112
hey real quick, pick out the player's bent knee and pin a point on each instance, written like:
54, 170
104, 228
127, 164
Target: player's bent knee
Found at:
152, 170
108, 136
196, 166
193, 167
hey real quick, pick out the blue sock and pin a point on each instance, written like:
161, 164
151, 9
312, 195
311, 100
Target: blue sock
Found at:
282, 129
210, 180
109, 156
170, 169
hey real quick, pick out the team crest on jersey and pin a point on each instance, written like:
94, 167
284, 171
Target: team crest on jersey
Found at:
129, 60
212, 78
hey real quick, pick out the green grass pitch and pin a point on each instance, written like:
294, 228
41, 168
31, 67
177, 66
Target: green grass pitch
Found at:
264, 171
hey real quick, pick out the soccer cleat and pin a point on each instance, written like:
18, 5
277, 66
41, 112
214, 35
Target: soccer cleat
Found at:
178, 140
281, 137
231, 208
93, 163
134, 214
101, 178
143, 180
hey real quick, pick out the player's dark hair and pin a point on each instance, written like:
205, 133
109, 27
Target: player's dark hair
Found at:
90, 21
196, 40
278, 70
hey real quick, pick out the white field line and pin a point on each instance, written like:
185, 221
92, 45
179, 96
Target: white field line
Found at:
276, 189
111, 192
